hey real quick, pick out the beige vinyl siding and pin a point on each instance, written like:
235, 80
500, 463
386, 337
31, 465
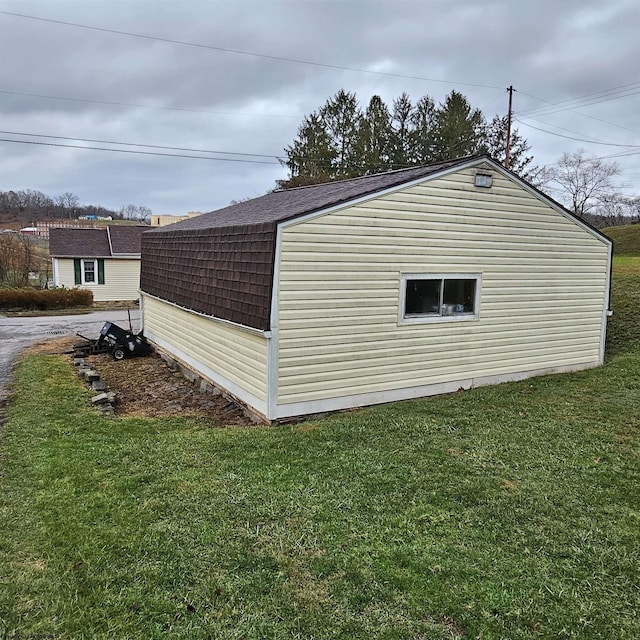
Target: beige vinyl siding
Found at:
542, 295
121, 279
228, 355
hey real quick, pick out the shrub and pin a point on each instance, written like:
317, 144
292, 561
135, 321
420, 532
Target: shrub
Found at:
42, 300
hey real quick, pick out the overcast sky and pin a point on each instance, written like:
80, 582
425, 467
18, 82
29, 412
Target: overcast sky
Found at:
574, 65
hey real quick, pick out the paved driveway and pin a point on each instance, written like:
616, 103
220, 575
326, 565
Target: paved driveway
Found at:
18, 333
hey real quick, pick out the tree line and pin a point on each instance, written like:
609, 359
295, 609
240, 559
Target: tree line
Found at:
29, 205
342, 140
586, 186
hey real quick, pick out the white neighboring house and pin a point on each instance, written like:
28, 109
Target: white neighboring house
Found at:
105, 260
392, 286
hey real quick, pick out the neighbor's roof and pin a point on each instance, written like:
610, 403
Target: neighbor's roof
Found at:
105, 242
126, 239
291, 203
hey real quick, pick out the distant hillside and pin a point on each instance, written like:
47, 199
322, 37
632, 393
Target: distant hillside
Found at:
9, 220
626, 239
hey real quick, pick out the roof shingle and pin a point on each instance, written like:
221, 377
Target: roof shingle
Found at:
94, 243
282, 205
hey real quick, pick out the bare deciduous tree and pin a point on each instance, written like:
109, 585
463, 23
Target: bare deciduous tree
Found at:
68, 203
585, 182
17, 259
133, 212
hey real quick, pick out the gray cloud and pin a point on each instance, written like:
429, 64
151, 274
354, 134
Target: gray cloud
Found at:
548, 49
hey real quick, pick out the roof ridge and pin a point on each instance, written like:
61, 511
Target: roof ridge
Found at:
284, 204
382, 173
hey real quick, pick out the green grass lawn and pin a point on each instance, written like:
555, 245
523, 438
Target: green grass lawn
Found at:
503, 512
626, 239
623, 331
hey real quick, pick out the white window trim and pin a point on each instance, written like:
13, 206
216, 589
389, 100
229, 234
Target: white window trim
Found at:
433, 318
95, 271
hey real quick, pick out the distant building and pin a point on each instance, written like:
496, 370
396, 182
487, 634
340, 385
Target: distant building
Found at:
105, 260
84, 222
43, 226
163, 221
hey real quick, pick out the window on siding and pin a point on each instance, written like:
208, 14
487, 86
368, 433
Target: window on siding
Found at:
438, 297
89, 271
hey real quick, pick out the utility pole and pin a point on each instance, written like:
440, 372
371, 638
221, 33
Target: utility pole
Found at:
507, 155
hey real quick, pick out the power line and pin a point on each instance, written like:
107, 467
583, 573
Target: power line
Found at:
555, 126
135, 144
156, 146
607, 144
147, 106
600, 93
165, 155
532, 112
144, 153
584, 101
240, 52
585, 104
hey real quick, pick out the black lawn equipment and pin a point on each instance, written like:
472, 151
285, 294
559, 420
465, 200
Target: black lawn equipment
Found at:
122, 343
115, 340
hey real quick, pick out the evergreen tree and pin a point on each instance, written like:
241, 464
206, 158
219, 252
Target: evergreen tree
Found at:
376, 138
495, 144
458, 130
340, 141
341, 117
401, 132
311, 158
421, 137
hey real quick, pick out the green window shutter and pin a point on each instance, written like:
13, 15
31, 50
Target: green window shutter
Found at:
77, 274
100, 270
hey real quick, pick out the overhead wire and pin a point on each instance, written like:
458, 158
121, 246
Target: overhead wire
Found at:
279, 160
136, 144
607, 144
185, 43
555, 126
603, 95
148, 106
132, 151
571, 104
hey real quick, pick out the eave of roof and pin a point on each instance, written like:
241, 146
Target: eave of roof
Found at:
279, 206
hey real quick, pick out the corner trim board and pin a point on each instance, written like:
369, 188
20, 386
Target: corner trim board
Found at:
274, 341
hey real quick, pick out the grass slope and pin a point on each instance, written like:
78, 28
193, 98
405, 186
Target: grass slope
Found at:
626, 239
623, 328
504, 512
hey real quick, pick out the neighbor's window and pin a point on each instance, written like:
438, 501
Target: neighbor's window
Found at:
437, 297
88, 271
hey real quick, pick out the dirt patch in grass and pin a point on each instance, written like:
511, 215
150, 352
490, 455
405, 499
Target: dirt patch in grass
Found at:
147, 388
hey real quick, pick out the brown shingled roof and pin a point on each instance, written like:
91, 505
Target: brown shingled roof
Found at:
126, 239
94, 243
221, 263
291, 203
79, 243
